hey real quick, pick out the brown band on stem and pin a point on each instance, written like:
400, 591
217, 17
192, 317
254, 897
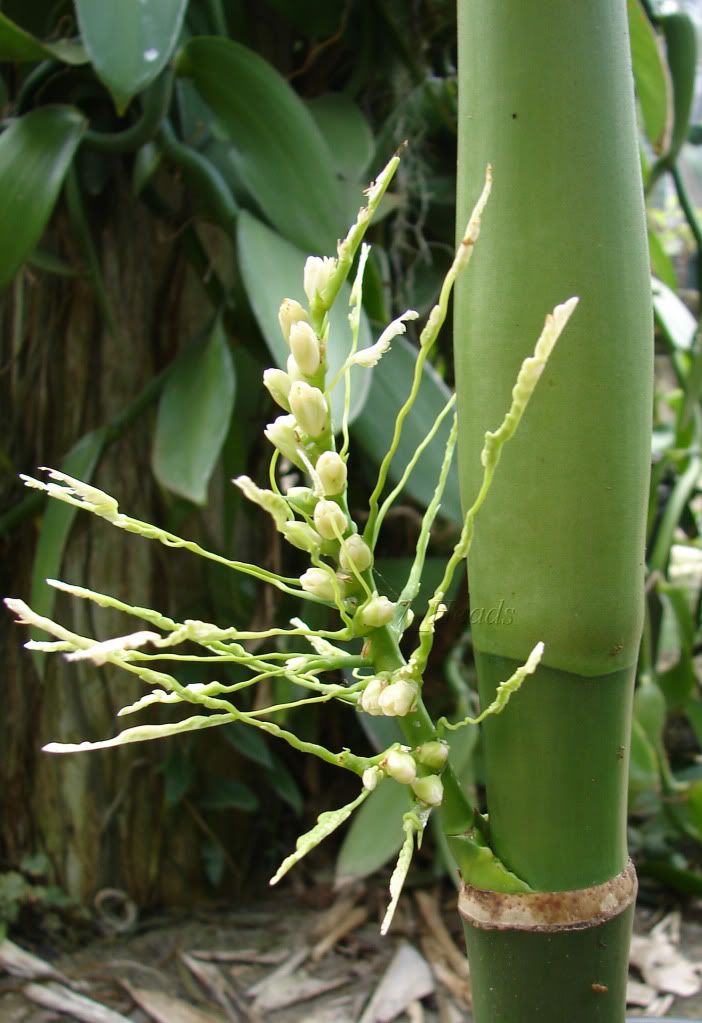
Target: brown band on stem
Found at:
573, 910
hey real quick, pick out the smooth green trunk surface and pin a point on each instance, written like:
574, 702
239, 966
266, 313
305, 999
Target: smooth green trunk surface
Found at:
564, 977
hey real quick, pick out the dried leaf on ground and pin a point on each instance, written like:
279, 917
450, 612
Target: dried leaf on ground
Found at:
661, 963
287, 967
62, 999
295, 988
163, 1008
19, 963
431, 914
222, 992
407, 979
345, 926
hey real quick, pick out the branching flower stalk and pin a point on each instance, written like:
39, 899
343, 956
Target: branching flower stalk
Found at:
315, 518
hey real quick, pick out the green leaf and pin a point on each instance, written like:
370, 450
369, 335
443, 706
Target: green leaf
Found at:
653, 85
346, 132
214, 861
392, 574
375, 833
130, 43
661, 263
673, 317
193, 417
229, 794
56, 524
248, 742
284, 785
17, 45
272, 270
643, 764
391, 382
178, 775
35, 153
281, 157
681, 50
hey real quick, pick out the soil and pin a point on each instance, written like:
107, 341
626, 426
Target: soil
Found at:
315, 940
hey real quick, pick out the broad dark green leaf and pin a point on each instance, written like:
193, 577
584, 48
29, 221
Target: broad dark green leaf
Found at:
129, 43
193, 417
248, 742
375, 833
178, 775
272, 270
643, 764
661, 263
284, 785
372, 430
674, 318
346, 132
281, 157
56, 524
18, 45
228, 794
35, 153
651, 76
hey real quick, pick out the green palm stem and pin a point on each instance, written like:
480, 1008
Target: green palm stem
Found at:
546, 96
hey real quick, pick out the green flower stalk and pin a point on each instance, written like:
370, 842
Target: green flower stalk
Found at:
315, 518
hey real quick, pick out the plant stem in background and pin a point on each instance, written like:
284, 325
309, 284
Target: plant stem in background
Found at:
546, 96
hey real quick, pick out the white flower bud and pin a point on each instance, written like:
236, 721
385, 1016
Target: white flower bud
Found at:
371, 776
378, 611
327, 516
398, 699
369, 357
319, 583
304, 345
401, 766
331, 469
291, 312
309, 407
294, 371
282, 434
274, 504
433, 754
355, 551
370, 696
278, 383
429, 789
318, 271
302, 536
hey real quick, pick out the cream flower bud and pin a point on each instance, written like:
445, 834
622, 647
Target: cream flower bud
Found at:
378, 611
355, 551
294, 371
319, 583
331, 469
329, 518
291, 312
429, 789
304, 345
370, 696
371, 777
318, 271
398, 699
274, 504
283, 436
309, 406
278, 383
433, 754
302, 536
401, 766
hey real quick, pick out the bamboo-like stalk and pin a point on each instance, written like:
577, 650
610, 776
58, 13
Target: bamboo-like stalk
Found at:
546, 96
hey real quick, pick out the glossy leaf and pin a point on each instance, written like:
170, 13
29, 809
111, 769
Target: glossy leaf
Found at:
653, 86
248, 742
284, 785
281, 157
129, 44
272, 270
346, 132
193, 417
18, 45
674, 318
390, 384
375, 833
35, 154
229, 794
56, 524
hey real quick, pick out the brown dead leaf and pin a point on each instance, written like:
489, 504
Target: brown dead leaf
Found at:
19, 963
163, 1008
62, 999
661, 964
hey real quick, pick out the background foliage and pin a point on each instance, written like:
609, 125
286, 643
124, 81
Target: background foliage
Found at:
164, 173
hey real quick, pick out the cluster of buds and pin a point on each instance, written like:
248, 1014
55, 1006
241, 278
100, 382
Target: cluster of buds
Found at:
409, 768
390, 694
